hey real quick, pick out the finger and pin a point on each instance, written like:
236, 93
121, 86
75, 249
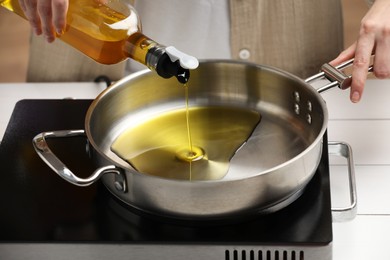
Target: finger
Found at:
345, 55
30, 10
382, 61
364, 48
60, 8
45, 13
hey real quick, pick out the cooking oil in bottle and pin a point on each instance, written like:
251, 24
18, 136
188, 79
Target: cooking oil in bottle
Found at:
160, 146
109, 31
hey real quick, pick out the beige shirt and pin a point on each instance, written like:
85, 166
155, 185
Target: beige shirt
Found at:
294, 35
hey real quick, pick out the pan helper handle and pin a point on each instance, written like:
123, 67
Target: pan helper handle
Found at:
348, 212
43, 150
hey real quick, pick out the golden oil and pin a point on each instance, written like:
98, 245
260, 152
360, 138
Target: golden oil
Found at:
160, 146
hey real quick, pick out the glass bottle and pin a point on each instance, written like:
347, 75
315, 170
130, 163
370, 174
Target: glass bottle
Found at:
109, 31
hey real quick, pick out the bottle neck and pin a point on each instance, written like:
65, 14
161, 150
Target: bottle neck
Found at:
154, 55
137, 47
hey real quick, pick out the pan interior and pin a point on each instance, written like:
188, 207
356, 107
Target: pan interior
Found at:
193, 144
292, 114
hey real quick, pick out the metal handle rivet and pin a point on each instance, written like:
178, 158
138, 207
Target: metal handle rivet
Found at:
297, 97
309, 106
308, 118
297, 109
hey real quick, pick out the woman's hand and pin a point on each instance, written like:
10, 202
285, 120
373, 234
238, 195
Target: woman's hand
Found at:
46, 16
374, 38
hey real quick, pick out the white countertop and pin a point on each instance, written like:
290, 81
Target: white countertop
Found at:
365, 126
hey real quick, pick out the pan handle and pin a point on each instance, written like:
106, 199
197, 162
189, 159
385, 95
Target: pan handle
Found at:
335, 75
43, 150
349, 212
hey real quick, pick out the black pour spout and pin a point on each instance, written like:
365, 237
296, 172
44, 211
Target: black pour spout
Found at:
166, 69
169, 62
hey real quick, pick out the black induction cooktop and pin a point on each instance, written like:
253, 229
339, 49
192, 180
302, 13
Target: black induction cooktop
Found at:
40, 208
